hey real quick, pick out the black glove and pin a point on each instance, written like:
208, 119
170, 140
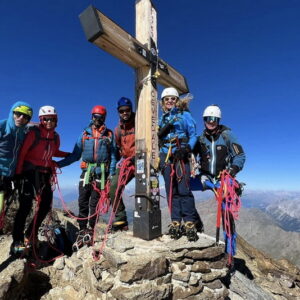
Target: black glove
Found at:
165, 130
233, 170
182, 153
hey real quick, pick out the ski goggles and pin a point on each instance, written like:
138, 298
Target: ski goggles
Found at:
99, 117
211, 119
49, 119
24, 110
19, 114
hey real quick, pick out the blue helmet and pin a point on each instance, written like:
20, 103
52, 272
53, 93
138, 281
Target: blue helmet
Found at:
123, 101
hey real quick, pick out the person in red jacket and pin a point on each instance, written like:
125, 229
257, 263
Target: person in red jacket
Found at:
125, 140
35, 167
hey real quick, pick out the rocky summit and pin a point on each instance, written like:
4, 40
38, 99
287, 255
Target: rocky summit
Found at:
131, 268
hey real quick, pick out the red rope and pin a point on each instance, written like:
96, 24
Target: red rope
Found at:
171, 188
127, 169
227, 193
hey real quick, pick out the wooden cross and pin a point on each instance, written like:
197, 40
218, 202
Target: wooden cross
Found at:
141, 54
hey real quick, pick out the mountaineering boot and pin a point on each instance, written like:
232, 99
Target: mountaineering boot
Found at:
199, 226
190, 231
175, 230
17, 249
119, 226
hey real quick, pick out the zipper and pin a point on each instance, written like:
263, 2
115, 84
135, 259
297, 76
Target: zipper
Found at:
213, 156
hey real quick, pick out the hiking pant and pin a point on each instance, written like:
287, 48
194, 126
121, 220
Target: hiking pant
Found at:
120, 212
87, 201
183, 202
38, 184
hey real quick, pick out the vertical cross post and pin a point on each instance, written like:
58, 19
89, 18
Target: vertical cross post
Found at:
147, 214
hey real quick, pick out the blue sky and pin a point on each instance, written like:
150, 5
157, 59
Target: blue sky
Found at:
241, 55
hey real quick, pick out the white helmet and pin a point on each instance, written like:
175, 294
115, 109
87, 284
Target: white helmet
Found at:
212, 111
47, 110
170, 91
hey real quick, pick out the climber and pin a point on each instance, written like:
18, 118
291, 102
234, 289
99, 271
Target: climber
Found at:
97, 148
219, 150
125, 140
35, 169
177, 138
12, 134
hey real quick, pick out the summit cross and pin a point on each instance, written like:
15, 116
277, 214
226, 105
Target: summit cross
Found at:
142, 55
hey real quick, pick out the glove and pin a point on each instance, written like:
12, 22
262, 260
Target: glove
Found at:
182, 153
233, 170
165, 130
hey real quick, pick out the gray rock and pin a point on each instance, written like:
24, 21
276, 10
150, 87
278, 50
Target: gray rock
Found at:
73, 264
182, 276
194, 280
215, 274
247, 289
184, 293
59, 264
183, 243
114, 258
208, 253
10, 277
143, 267
201, 266
214, 285
146, 291
120, 245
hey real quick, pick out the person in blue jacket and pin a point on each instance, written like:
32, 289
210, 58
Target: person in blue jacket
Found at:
97, 148
12, 134
177, 138
218, 149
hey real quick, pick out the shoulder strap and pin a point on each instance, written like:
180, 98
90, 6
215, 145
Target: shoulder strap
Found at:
37, 138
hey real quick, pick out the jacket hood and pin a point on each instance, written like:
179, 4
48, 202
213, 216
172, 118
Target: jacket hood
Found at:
10, 124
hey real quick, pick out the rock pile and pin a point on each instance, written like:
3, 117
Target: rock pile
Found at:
131, 268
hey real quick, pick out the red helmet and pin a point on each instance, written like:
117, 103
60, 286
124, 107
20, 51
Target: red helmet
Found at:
99, 109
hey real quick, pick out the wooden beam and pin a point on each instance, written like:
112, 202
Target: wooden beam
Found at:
107, 35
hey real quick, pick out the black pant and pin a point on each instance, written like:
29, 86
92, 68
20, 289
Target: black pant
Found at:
87, 201
183, 202
34, 183
6, 186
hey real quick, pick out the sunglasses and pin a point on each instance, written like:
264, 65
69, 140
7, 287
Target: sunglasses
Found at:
211, 119
170, 98
125, 110
19, 114
49, 120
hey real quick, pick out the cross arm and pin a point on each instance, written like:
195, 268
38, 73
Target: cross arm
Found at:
107, 35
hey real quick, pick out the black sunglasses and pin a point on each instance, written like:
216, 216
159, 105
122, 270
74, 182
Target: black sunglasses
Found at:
49, 119
19, 114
